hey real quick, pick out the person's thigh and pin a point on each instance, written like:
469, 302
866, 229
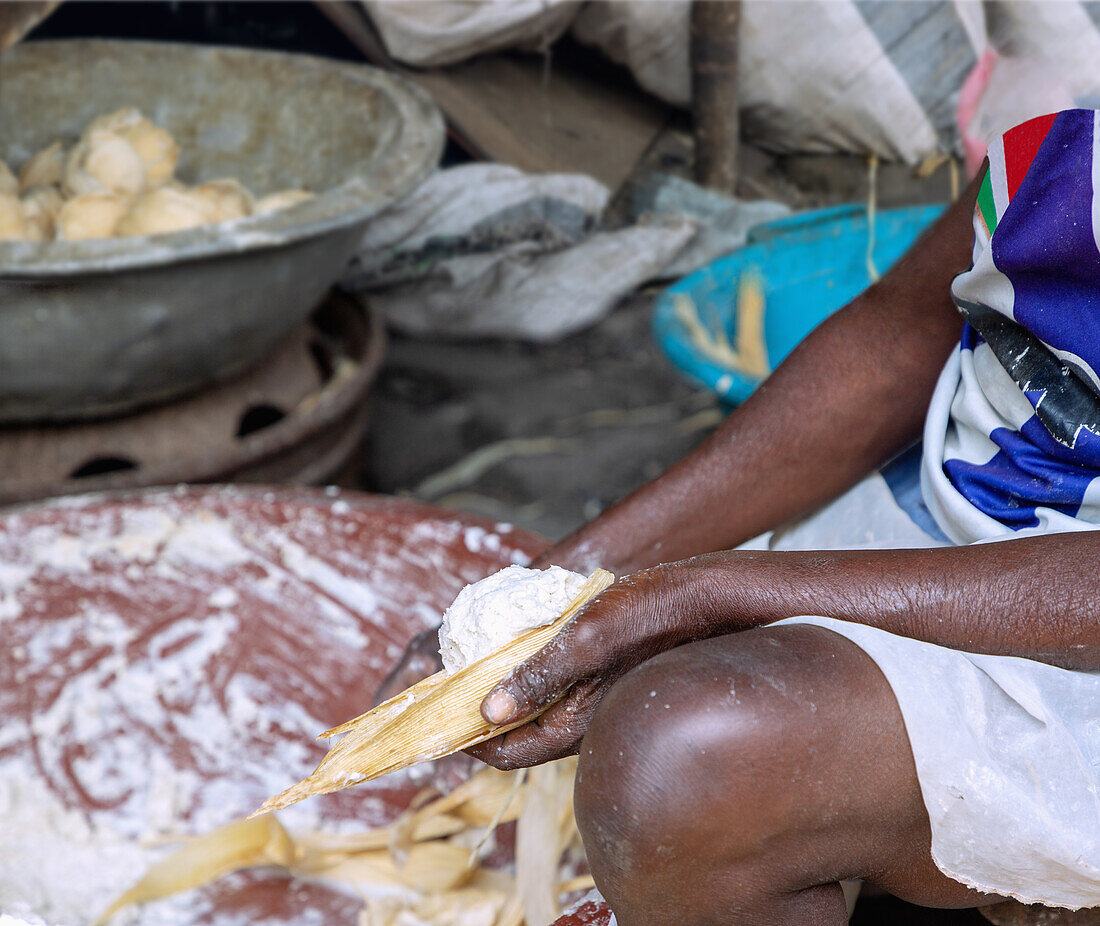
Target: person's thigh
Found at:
738, 779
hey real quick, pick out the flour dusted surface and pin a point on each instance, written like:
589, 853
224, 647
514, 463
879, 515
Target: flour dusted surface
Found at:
169, 659
491, 613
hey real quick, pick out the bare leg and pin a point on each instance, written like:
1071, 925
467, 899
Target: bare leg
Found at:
738, 779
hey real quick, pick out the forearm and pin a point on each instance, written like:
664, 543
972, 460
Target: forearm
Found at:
1032, 597
853, 394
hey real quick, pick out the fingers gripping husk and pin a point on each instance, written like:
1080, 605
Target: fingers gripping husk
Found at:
434, 718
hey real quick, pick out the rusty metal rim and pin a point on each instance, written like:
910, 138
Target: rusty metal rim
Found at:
337, 402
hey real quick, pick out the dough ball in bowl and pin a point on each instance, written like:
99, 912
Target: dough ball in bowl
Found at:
284, 199
8, 183
46, 168
166, 210
103, 162
13, 226
92, 215
41, 206
155, 146
228, 197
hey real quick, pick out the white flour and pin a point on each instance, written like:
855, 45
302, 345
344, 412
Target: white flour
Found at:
490, 613
115, 703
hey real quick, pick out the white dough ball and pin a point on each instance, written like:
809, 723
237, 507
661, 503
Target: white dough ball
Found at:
491, 613
228, 197
284, 199
103, 162
92, 215
166, 210
48, 198
46, 168
157, 149
155, 146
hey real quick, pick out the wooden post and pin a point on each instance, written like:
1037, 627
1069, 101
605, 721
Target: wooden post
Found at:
714, 31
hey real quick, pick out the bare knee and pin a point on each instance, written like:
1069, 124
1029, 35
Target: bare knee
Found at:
675, 745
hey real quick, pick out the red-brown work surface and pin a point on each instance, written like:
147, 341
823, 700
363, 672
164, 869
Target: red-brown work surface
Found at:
590, 911
169, 657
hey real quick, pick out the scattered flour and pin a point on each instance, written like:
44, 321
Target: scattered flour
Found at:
206, 541
490, 613
148, 677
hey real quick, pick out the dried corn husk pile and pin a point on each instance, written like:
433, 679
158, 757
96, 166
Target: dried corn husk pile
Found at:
430, 858
425, 868
434, 718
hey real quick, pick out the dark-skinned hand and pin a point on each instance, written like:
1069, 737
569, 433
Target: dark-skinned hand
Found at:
421, 657
635, 619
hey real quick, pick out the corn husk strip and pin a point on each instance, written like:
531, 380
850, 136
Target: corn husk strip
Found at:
429, 868
403, 828
539, 840
241, 844
485, 799
435, 883
387, 710
454, 908
749, 353
509, 801
512, 914
579, 883
491, 879
444, 718
438, 826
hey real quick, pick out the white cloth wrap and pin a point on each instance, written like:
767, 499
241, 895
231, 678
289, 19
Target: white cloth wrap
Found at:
1007, 750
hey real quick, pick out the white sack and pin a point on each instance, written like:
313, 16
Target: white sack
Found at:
1047, 58
814, 75
453, 201
429, 34
486, 250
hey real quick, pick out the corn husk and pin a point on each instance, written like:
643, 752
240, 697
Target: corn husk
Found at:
435, 880
541, 837
425, 856
438, 716
454, 908
241, 844
430, 867
748, 354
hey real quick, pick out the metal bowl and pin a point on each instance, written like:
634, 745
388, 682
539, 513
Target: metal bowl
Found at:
93, 328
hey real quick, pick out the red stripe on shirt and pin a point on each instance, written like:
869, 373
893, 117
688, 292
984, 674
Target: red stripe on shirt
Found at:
1021, 144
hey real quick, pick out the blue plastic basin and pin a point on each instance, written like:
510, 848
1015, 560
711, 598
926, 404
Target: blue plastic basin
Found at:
809, 266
